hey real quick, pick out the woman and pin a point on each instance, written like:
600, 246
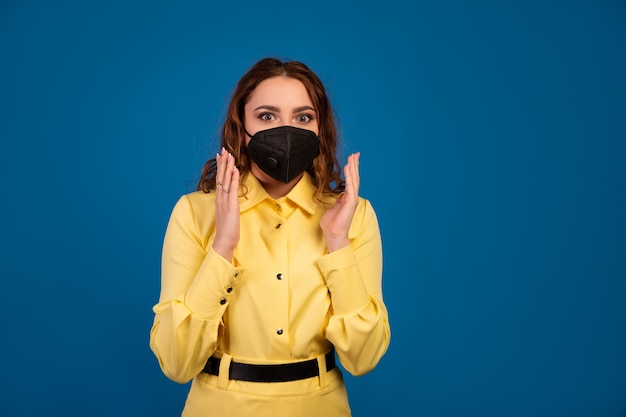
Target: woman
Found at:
274, 264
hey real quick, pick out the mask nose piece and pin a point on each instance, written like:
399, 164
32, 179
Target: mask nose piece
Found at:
272, 161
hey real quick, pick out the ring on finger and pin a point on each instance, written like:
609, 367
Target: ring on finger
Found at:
225, 190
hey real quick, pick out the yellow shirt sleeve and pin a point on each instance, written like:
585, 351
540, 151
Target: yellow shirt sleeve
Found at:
196, 288
358, 326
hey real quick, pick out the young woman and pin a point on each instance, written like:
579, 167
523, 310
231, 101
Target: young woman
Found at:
274, 265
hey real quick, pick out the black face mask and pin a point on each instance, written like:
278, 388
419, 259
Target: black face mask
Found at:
283, 152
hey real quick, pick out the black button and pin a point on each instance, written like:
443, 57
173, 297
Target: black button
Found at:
223, 301
279, 276
229, 289
279, 331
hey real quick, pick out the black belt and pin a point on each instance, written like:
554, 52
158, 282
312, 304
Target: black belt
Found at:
270, 373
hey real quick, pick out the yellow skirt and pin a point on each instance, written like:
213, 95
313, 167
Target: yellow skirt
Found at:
217, 396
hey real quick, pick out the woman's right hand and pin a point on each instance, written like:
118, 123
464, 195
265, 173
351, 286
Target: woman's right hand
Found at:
226, 205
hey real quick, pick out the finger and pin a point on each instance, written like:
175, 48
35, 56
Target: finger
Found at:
356, 179
347, 173
353, 164
229, 162
234, 186
221, 161
351, 173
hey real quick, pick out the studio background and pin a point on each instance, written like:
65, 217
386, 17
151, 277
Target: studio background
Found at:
492, 137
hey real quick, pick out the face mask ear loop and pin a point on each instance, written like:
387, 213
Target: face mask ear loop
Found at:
246, 132
243, 145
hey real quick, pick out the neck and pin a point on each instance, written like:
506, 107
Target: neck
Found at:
279, 190
273, 187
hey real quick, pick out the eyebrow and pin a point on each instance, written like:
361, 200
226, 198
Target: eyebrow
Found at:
276, 109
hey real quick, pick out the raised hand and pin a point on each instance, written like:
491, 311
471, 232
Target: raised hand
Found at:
226, 205
335, 223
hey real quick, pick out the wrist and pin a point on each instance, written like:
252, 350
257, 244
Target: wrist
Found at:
336, 244
225, 251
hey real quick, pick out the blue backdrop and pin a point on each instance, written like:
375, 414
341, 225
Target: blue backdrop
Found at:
493, 142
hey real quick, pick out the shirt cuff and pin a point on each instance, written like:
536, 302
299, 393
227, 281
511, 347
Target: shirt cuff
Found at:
213, 287
343, 279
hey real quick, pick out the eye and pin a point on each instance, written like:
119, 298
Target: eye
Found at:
304, 118
266, 116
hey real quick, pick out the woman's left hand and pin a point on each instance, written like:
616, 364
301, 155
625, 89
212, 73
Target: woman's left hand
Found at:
335, 223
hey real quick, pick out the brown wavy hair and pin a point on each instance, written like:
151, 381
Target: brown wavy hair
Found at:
325, 170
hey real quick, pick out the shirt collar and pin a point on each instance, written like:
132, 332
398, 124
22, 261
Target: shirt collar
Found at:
301, 194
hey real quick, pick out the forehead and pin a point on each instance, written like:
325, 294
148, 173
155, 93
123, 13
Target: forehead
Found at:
281, 92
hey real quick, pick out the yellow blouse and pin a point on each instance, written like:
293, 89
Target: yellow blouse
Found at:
283, 298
